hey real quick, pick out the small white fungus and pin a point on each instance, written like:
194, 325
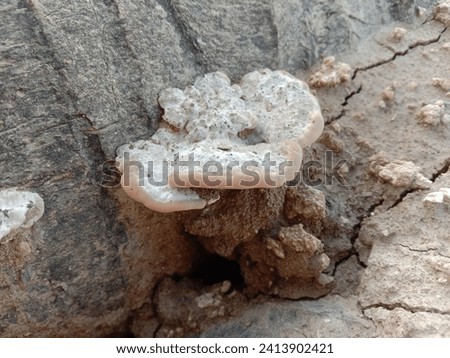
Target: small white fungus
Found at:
18, 209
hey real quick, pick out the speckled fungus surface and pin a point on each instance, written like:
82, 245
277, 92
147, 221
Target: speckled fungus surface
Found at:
18, 209
216, 135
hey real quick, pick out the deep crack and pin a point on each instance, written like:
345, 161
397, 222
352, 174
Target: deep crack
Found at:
422, 250
354, 237
368, 67
339, 116
400, 198
358, 90
445, 168
399, 53
345, 103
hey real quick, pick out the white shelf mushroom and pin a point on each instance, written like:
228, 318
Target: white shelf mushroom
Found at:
216, 135
18, 209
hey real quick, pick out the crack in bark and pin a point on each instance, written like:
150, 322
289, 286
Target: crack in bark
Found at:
397, 54
421, 250
381, 63
404, 306
414, 250
445, 168
352, 253
356, 230
346, 99
402, 196
353, 238
345, 103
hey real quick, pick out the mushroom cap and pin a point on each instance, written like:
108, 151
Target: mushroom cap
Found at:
222, 136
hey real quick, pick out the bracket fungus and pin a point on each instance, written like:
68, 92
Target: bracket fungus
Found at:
18, 209
215, 135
